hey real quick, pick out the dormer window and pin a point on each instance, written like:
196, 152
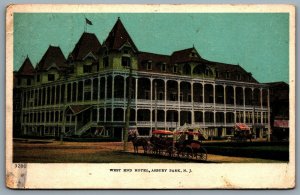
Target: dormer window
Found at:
217, 74
175, 69
149, 65
28, 81
163, 67
193, 54
206, 72
105, 62
87, 69
125, 61
126, 51
227, 75
51, 77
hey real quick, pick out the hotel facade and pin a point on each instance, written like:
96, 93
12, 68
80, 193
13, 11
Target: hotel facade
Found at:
86, 94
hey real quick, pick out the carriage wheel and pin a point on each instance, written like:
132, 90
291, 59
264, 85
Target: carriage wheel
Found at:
188, 153
151, 149
202, 154
170, 152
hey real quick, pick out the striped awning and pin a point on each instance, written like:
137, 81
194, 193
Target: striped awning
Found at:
241, 126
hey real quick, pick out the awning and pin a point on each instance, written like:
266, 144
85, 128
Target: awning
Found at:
241, 126
162, 132
76, 109
281, 123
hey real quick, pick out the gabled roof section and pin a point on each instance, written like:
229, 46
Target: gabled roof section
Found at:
155, 58
26, 69
231, 68
185, 55
88, 43
118, 36
53, 56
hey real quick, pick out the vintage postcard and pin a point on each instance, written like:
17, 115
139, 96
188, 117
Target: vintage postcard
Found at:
150, 96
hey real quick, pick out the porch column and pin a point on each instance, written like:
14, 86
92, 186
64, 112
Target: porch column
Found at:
192, 99
234, 102
269, 117
151, 88
105, 97
224, 86
261, 106
112, 97
165, 83
136, 99
98, 99
253, 104
244, 104
99, 89
203, 103
214, 95
178, 96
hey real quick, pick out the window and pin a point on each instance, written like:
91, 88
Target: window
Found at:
149, 65
106, 52
147, 95
28, 81
227, 75
51, 77
126, 61
87, 69
160, 95
126, 51
238, 77
37, 78
163, 67
19, 81
175, 68
105, 62
173, 97
193, 54
217, 74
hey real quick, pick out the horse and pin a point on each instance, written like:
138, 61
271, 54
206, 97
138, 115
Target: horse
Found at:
138, 141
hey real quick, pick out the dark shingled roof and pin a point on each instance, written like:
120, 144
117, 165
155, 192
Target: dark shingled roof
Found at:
87, 43
184, 55
118, 36
155, 58
53, 55
26, 69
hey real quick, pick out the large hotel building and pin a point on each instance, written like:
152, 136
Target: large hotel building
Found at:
87, 93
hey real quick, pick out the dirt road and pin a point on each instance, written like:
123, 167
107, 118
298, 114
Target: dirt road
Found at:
51, 151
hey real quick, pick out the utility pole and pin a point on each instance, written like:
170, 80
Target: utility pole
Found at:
127, 118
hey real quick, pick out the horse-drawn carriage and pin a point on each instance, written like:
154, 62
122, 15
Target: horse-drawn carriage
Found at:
177, 144
242, 133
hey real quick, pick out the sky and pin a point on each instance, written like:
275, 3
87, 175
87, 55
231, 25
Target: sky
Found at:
258, 42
